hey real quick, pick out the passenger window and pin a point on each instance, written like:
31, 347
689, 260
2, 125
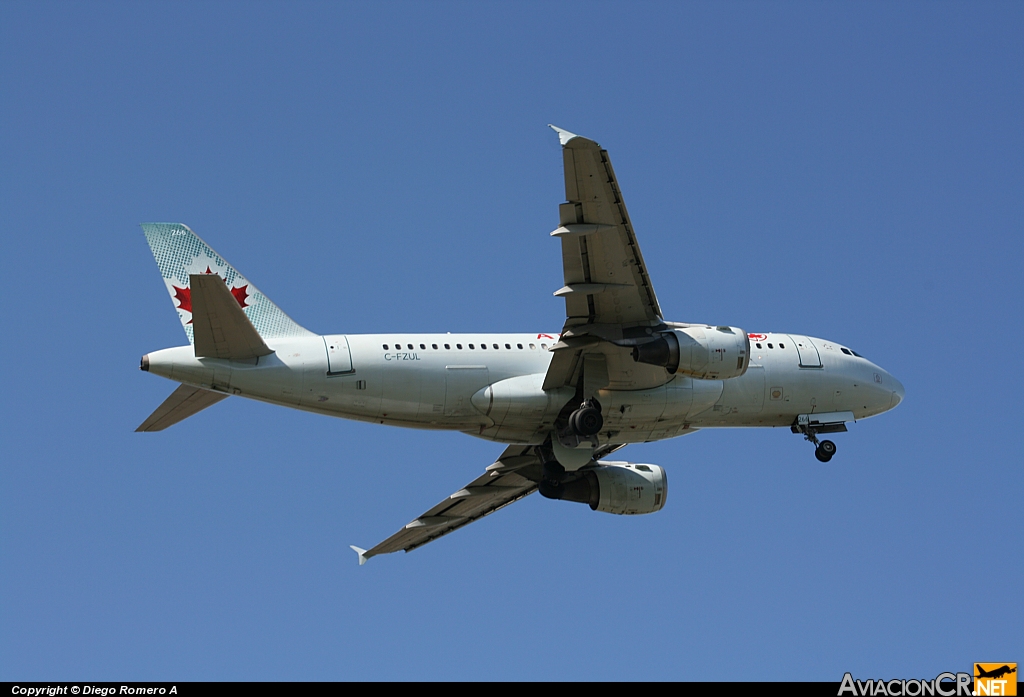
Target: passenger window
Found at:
533, 346
433, 346
782, 346
410, 346
471, 346
458, 346
770, 346
448, 347
482, 346
423, 346
508, 346
544, 346
758, 345
386, 347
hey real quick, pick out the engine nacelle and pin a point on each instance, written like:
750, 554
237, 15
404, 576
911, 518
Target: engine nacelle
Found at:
707, 353
624, 488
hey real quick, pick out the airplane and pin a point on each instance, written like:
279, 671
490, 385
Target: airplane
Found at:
995, 673
562, 403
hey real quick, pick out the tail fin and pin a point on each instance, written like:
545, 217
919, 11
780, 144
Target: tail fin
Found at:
179, 252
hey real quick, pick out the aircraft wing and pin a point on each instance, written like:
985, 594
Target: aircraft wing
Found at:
608, 292
512, 477
497, 487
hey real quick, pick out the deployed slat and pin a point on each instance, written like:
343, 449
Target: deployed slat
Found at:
183, 403
220, 327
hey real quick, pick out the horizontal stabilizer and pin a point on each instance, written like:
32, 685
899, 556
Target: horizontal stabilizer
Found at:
183, 403
220, 327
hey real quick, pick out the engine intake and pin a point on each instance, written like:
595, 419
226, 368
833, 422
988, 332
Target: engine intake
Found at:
708, 353
623, 488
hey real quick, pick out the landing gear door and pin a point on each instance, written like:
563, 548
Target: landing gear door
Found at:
339, 358
807, 351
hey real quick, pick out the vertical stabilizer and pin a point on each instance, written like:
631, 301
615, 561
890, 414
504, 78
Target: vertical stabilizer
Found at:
180, 253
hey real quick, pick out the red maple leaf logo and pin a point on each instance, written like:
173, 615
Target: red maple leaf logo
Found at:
184, 296
240, 295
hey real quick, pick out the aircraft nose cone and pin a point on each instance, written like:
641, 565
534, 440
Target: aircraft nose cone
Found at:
897, 393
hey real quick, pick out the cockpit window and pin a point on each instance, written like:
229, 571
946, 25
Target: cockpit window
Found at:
846, 351
856, 354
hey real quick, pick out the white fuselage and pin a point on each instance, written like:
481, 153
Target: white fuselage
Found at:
450, 381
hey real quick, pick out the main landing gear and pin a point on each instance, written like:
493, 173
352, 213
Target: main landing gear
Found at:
587, 420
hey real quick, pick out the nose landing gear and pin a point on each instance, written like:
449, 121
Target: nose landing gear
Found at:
825, 450
810, 425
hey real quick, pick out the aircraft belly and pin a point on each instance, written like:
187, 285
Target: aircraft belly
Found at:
636, 416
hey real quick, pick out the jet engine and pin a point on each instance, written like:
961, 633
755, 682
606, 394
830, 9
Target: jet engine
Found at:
708, 353
624, 488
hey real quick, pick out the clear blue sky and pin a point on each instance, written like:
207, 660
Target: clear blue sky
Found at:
845, 170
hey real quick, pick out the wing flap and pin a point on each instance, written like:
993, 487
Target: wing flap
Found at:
181, 404
219, 326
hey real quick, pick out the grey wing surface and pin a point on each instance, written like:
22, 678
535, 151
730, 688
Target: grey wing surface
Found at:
501, 484
606, 279
512, 477
608, 292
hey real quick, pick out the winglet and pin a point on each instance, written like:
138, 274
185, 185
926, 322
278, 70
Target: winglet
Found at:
564, 136
361, 553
